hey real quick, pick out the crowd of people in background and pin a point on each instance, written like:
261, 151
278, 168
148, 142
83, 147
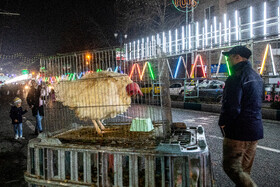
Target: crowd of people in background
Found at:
35, 94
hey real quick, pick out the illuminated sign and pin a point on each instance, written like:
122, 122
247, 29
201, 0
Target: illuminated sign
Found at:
185, 5
24, 71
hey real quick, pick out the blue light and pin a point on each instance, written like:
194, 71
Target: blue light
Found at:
80, 76
116, 69
177, 67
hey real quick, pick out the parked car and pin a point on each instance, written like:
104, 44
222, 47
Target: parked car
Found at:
155, 88
207, 89
206, 83
212, 92
150, 89
189, 86
175, 88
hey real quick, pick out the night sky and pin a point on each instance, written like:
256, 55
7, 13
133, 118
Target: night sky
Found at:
56, 26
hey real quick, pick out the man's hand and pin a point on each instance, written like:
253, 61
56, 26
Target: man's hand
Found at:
16, 120
222, 130
31, 106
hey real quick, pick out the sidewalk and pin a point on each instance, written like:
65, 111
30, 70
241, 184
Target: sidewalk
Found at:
267, 113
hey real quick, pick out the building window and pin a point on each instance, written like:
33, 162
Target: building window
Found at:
209, 12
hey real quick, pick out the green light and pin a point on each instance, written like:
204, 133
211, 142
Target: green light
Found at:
74, 77
25, 72
98, 70
69, 78
151, 71
229, 73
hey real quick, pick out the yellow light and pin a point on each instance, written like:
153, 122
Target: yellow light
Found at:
264, 58
33, 73
26, 87
88, 56
87, 62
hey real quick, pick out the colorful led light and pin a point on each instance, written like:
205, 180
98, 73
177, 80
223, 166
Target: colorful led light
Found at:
195, 63
268, 47
132, 70
219, 64
215, 29
264, 58
177, 67
190, 44
236, 25
229, 31
272, 61
80, 76
264, 18
183, 38
151, 71
206, 33
251, 22
225, 25
176, 41
229, 72
141, 73
170, 42
163, 42
197, 35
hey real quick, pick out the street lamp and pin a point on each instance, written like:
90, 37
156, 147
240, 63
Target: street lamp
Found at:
121, 37
119, 54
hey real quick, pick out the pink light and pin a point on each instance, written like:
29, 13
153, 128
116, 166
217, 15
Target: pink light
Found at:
195, 63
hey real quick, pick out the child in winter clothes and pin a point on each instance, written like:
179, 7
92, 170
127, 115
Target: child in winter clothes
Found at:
16, 116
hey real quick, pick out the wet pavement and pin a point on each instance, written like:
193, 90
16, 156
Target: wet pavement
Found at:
13, 153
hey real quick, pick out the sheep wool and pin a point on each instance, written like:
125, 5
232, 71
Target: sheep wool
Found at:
96, 96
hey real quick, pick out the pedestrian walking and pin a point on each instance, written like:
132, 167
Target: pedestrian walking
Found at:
241, 117
33, 100
16, 116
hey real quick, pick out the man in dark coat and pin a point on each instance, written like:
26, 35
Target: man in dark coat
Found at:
32, 99
241, 118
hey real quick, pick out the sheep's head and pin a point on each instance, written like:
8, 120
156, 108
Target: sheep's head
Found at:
133, 89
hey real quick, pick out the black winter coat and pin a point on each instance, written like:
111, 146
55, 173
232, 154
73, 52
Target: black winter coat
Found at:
16, 114
242, 102
33, 99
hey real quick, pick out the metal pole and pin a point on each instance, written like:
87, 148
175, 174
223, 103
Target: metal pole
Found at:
164, 91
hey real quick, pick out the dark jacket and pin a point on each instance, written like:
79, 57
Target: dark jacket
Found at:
242, 102
16, 114
33, 99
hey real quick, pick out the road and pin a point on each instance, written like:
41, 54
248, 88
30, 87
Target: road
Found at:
265, 171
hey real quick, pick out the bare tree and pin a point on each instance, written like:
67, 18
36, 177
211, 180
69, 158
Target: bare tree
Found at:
146, 17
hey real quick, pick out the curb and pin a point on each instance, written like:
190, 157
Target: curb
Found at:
271, 114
